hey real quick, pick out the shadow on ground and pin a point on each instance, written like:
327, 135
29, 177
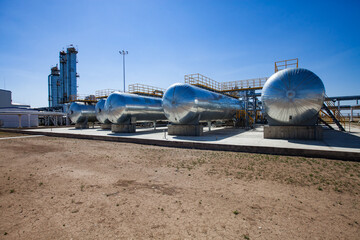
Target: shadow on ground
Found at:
333, 138
213, 135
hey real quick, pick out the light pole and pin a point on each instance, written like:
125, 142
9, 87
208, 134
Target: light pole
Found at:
123, 53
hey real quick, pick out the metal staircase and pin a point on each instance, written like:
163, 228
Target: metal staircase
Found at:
244, 118
327, 124
331, 114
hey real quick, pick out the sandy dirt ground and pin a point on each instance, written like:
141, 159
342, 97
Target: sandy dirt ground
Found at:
58, 188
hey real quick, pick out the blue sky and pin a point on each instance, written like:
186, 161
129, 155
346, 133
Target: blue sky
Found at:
224, 40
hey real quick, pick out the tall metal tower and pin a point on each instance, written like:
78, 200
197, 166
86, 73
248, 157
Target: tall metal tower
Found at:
63, 76
123, 53
54, 87
63, 82
71, 73
68, 75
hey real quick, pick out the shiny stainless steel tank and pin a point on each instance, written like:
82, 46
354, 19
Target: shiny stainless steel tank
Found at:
293, 97
187, 104
122, 107
101, 114
80, 113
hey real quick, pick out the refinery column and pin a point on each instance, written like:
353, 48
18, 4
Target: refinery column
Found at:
63, 77
71, 77
54, 87
63, 83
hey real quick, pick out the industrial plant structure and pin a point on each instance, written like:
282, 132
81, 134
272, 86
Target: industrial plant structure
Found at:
293, 105
290, 98
81, 114
13, 115
293, 97
185, 106
62, 83
101, 114
125, 109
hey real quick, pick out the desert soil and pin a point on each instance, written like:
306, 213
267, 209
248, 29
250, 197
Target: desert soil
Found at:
58, 188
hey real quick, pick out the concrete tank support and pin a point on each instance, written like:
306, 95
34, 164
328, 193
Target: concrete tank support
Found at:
293, 132
185, 130
106, 126
123, 128
82, 125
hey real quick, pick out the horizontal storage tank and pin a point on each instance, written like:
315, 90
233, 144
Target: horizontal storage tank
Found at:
187, 104
293, 97
122, 107
101, 114
80, 113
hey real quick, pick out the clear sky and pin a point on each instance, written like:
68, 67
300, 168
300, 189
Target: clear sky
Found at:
224, 40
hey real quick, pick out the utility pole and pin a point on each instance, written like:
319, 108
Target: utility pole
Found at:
123, 53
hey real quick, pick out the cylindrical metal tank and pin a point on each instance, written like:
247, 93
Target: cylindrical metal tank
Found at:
187, 104
101, 114
80, 113
293, 97
121, 108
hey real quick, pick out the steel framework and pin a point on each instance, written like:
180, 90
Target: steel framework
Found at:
104, 93
146, 90
280, 65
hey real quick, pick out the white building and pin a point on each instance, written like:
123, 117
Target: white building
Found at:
15, 115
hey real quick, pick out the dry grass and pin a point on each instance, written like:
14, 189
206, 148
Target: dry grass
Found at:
322, 174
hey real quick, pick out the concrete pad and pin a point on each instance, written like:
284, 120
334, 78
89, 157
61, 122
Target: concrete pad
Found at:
334, 145
293, 132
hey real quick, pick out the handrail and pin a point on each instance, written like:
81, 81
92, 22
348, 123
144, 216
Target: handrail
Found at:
243, 84
198, 79
286, 64
335, 111
105, 92
139, 88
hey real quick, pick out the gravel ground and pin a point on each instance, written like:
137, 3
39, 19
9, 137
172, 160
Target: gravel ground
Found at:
58, 188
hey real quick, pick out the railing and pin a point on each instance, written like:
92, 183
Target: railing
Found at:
225, 87
82, 98
244, 116
335, 111
280, 65
104, 92
256, 83
198, 79
143, 89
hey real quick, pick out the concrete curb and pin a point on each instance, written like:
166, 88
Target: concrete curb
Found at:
339, 155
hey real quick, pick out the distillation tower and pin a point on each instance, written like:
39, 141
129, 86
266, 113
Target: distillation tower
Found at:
63, 81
